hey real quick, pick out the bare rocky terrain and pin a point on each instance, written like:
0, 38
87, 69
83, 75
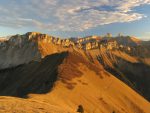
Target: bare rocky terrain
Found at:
44, 74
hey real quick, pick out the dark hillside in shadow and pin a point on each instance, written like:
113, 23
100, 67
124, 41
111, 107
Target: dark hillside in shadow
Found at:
35, 77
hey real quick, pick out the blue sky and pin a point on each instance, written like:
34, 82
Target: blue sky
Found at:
71, 18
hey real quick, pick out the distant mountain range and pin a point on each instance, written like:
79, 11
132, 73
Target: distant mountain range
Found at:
42, 73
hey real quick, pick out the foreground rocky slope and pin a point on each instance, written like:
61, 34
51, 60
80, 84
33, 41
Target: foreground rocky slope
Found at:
61, 82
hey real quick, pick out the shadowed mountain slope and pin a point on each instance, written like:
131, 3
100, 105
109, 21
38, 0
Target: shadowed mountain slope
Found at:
127, 68
128, 41
35, 77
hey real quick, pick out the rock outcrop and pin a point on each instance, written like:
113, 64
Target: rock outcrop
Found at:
20, 49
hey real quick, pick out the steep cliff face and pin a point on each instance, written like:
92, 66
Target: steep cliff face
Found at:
18, 50
32, 46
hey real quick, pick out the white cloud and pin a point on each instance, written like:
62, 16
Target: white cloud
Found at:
67, 15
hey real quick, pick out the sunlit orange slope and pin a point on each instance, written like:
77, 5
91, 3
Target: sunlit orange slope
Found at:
79, 82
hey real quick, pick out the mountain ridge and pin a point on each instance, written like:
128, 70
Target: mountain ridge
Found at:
97, 90
34, 41
62, 74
